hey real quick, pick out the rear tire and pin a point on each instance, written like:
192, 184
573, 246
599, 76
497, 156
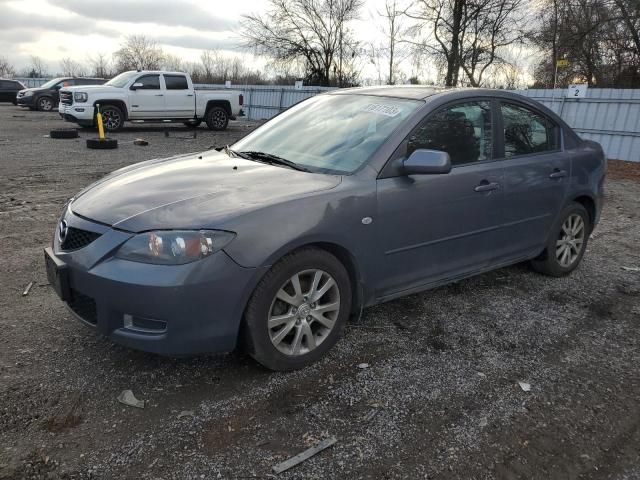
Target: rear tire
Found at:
567, 242
289, 324
217, 118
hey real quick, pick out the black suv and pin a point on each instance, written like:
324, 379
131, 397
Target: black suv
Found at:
9, 90
45, 97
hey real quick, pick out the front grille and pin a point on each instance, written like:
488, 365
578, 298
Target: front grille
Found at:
76, 239
66, 98
84, 307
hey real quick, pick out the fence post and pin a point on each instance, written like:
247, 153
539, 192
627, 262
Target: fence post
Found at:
249, 104
280, 102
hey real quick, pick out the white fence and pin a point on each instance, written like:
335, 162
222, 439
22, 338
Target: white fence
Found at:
262, 102
32, 82
609, 116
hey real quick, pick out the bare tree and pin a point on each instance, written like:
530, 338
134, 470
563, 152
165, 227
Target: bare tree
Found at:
100, 65
138, 52
173, 63
71, 68
315, 31
394, 31
37, 68
6, 68
466, 36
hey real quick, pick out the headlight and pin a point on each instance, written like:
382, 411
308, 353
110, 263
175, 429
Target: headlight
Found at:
174, 247
28, 93
80, 96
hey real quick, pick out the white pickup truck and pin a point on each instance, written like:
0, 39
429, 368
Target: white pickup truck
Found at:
149, 96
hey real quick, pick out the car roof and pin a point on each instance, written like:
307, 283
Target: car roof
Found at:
421, 92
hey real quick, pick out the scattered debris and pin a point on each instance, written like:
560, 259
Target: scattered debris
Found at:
483, 422
369, 416
631, 269
141, 142
27, 289
526, 387
363, 365
301, 457
185, 413
128, 398
262, 443
480, 374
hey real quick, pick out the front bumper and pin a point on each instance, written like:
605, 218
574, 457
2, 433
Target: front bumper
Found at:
80, 114
26, 101
169, 310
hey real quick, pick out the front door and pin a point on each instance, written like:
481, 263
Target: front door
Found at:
147, 100
436, 227
536, 178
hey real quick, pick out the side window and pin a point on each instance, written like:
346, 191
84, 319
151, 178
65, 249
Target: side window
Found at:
149, 82
462, 130
5, 84
67, 83
526, 132
176, 82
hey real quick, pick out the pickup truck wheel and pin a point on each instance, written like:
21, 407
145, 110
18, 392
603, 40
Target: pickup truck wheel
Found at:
112, 118
217, 118
45, 104
193, 123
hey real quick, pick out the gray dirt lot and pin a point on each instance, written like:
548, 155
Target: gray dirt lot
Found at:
440, 398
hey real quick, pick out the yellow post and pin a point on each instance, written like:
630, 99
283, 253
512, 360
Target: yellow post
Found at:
99, 120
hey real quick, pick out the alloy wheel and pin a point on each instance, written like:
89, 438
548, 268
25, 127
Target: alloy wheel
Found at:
219, 119
45, 104
570, 240
304, 312
111, 119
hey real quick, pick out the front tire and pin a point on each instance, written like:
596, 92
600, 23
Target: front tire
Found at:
112, 118
298, 310
567, 242
45, 104
217, 118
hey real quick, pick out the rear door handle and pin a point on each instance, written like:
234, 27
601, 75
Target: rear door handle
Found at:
558, 173
189, 94
486, 186
159, 95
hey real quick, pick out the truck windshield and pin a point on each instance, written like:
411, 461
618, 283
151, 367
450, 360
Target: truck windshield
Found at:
121, 80
330, 133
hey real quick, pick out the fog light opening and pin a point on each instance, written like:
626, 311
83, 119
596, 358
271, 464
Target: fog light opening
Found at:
143, 325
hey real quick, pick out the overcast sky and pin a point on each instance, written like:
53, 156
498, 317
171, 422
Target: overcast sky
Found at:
54, 29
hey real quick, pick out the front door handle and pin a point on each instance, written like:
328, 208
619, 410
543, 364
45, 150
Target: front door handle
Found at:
486, 186
189, 94
557, 173
159, 95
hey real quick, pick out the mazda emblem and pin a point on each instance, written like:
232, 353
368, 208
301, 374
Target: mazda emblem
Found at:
62, 231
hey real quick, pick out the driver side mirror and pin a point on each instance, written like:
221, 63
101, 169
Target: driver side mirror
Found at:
137, 85
423, 162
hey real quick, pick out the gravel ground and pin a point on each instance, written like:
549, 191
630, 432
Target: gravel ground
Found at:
439, 399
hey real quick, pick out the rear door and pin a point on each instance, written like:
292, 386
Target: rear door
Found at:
6, 93
434, 227
537, 174
147, 100
179, 98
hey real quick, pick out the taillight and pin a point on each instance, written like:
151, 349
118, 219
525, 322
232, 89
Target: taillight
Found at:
241, 99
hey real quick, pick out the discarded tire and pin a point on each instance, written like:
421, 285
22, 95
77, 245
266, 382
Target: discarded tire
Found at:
102, 144
64, 133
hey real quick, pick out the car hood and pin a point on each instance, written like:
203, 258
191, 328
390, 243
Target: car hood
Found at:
92, 88
192, 191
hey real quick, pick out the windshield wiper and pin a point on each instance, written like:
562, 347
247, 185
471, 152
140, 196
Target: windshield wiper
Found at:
233, 153
273, 160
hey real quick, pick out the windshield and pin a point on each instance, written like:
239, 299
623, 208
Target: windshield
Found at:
51, 83
330, 133
121, 80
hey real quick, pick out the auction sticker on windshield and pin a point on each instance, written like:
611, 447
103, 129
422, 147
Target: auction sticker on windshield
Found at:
387, 110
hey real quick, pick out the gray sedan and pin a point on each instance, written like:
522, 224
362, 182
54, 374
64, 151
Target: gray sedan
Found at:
346, 200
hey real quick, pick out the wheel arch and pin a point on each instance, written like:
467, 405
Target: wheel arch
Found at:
218, 103
589, 204
116, 103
